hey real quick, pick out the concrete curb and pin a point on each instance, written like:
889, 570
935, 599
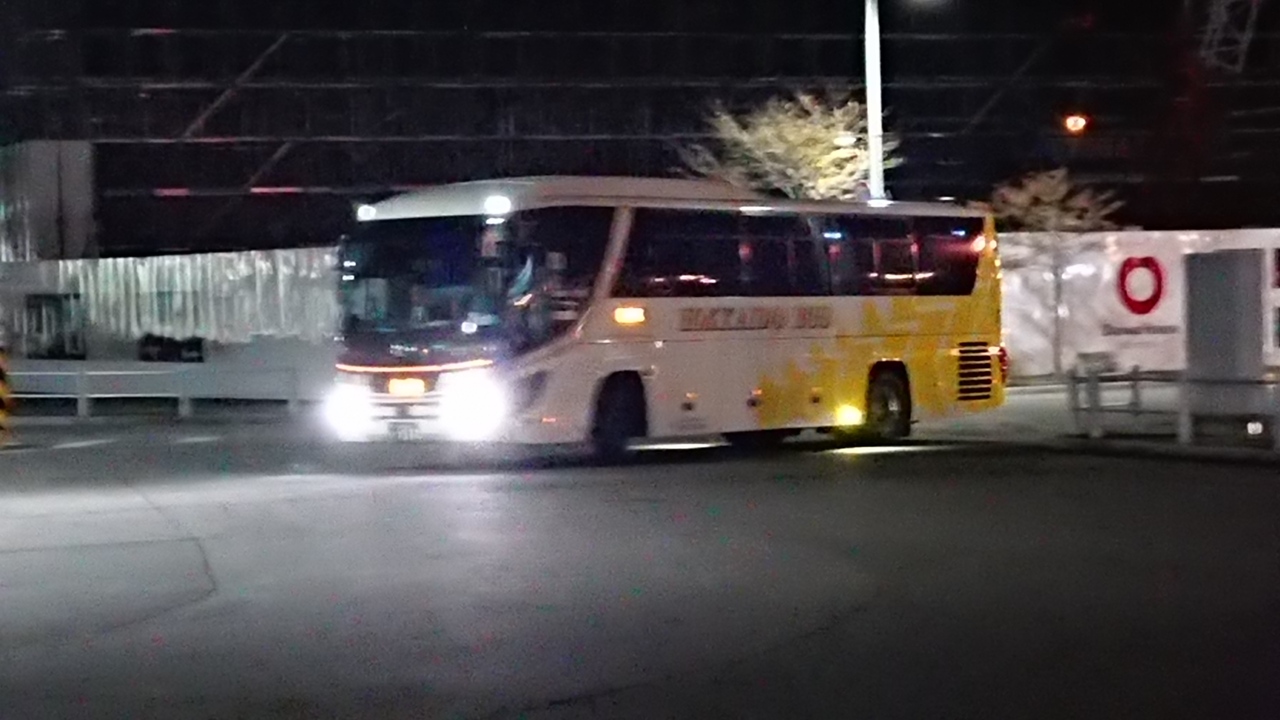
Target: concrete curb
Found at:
1135, 449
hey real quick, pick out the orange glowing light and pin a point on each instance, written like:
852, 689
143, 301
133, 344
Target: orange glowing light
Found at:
1075, 123
629, 315
407, 387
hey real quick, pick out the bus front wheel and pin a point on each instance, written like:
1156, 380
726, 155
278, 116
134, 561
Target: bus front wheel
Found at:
620, 417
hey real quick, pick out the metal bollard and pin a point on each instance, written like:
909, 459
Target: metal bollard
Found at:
1186, 428
1135, 392
1073, 398
184, 396
1275, 419
1093, 399
6, 398
292, 403
84, 403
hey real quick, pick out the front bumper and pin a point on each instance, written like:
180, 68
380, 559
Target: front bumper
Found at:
401, 422
475, 405
395, 421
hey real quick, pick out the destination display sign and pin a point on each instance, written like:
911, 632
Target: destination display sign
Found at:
704, 319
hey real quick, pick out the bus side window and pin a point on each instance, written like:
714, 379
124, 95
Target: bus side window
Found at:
948, 259
851, 256
895, 260
767, 269
810, 271
579, 235
784, 258
681, 253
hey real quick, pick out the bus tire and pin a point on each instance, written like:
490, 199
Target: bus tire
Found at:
888, 405
620, 417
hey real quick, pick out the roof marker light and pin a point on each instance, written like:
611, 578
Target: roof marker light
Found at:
496, 205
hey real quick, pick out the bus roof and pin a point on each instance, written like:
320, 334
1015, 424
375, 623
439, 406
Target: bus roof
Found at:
488, 197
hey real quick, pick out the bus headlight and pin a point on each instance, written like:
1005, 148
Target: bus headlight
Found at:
349, 410
473, 404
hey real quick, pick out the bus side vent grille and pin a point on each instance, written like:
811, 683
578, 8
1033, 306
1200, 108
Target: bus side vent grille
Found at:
975, 375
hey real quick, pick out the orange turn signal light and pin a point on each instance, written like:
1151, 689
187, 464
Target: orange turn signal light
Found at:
628, 315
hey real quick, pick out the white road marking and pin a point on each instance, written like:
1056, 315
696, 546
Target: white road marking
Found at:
675, 446
198, 440
891, 449
79, 444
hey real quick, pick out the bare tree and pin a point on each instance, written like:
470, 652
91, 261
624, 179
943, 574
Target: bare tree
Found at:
1054, 212
803, 147
1052, 201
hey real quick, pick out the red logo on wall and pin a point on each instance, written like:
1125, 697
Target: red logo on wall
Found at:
1144, 302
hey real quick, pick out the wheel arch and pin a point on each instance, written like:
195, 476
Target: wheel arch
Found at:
620, 380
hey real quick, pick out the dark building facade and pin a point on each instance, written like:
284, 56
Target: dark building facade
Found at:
232, 125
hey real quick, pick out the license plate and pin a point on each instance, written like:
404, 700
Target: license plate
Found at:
405, 432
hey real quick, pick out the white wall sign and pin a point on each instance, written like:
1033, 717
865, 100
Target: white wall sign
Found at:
1122, 295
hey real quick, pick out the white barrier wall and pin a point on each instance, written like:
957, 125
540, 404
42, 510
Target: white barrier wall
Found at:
267, 318
221, 297
1122, 294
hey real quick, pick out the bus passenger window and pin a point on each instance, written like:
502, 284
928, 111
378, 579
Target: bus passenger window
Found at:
852, 263
810, 267
896, 266
785, 259
769, 276
948, 258
681, 253
870, 255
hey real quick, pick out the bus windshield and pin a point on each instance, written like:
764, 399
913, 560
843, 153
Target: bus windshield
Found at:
466, 279
429, 274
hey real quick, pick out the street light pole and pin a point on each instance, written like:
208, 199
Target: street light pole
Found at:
875, 111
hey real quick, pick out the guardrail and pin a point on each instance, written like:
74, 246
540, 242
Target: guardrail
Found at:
177, 388
1088, 411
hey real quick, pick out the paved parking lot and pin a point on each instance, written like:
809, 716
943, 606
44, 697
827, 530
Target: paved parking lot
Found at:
250, 571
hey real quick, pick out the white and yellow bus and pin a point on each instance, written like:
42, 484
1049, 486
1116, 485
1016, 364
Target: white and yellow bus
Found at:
565, 310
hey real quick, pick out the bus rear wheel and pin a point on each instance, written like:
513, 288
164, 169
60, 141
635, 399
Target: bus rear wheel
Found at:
620, 418
888, 406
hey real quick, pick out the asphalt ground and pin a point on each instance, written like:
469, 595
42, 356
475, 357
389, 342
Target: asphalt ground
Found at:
226, 570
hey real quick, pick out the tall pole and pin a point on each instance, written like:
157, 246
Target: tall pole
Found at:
875, 110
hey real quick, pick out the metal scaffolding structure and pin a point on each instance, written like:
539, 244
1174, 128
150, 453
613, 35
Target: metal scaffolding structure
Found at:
255, 138
1228, 33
